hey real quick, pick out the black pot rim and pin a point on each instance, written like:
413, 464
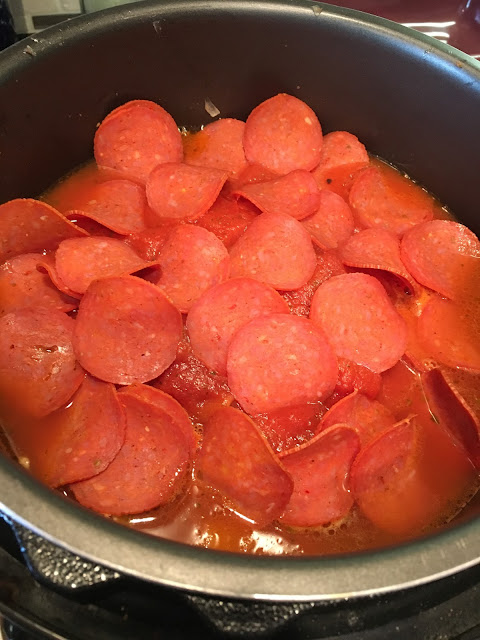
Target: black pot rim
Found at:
196, 569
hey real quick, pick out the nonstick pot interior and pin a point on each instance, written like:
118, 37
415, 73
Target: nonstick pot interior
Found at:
410, 99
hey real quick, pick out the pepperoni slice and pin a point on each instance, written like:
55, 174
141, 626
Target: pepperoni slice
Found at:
148, 244
319, 470
237, 460
328, 265
353, 376
387, 200
368, 417
222, 310
38, 370
219, 145
290, 426
442, 255
449, 333
46, 264
332, 224
192, 261
451, 410
80, 261
126, 330
23, 284
252, 174
283, 134
408, 477
182, 192
86, 436
228, 219
118, 205
360, 321
275, 249
166, 403
28, 225
295, 193
377, 249
137, 137
149, 470
279, 361
339, 149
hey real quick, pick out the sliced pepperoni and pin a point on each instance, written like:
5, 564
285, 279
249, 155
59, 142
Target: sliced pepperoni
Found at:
377, 249
167, 403
228, 219
340, 149
295, 193
360, 321
46, 264
408, 477
283, 134
275, 249
38, 370
118, 205
319, 469
126, 330
332, 223
451, 410
137, 137
237, 460
198, 389
339, 179
219, 145
28, 225
222, 310
80, 261
149, 470
148, 244
290, 426
86, 436
442, 255
183, 192
353, 376
23, 284
279, 361
368, 417
449, 334
192, 261
328, 265
387, 200
252, 174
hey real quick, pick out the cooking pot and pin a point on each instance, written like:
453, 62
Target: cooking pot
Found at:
411, 100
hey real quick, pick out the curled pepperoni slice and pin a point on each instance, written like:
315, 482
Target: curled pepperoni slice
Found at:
148, 471
328, 265
279, 361
137, 137
360, 321
295, 193
24, 284
29, 225
85, 437
46, 264
222, 310
339, 149
283, 134
228, 219
166, 403
192, 260
38, 370
442, 255
183, 192
332, 223
319, 469
368, 417
236, 459
148, 243
80, 261
118, 205
451, 410
387, 200
252, 174
219, 145
275, 249
126, 330
449, 334
377, 249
